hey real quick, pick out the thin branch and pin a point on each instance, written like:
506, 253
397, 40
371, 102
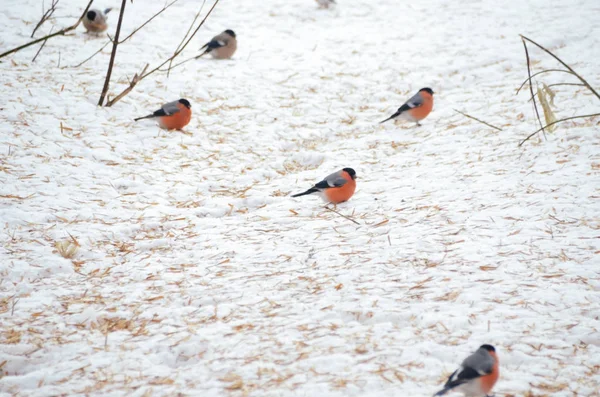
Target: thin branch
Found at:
112, 55
556, 122
177, 64
342, 215
93, 55
186, 43
148, 21
59, 33
170, 59
531, 86
564, 64
186, 35
132, 84
45, 16
40, 50
538, 73
476, 119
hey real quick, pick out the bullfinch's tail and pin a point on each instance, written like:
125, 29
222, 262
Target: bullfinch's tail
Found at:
443, 391
391, 117
309, 191
145, 117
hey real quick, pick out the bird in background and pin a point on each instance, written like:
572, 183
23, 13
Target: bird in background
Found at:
476, 375
95, 20
173, 115
335, 188
325, 3
416, 108
222, 46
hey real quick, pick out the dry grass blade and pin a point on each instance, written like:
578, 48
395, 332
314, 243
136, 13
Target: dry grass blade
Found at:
546, 97
342, 215
550, 116
476, 119
67, 248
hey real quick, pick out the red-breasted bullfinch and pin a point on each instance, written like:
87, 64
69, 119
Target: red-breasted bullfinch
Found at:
416, 108
222, 46
476, 375
326, 3
335, 188
95, 20
173, 115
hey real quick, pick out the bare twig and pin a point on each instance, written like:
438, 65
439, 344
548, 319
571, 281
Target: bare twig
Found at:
186, 35
61, 32
556, 122
46, 15
185, 44
476, 119
148, 21
113, 54
170, 59
40, 50
537, 113
93, 55
342, 215
177, 64
562, 63
132, 84
538, 73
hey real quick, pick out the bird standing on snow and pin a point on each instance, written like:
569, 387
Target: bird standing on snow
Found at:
325, 3
173, 115
416, 108
476, 375
222, 46
95, 20
335, 188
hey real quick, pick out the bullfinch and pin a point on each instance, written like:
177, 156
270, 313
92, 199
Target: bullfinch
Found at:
325, 3
173, 115
222, 46
416, 108
335, 188
476, 375
95, 20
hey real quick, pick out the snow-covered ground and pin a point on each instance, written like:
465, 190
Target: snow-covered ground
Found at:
198, 275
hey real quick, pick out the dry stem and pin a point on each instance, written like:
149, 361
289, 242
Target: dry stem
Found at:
558, 121
342, 215
40, 50
570, 70
564, 64
45, 17
59, 33
113, 54
476, 119
170, 59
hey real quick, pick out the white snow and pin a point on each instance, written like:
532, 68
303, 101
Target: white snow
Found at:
197, 274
